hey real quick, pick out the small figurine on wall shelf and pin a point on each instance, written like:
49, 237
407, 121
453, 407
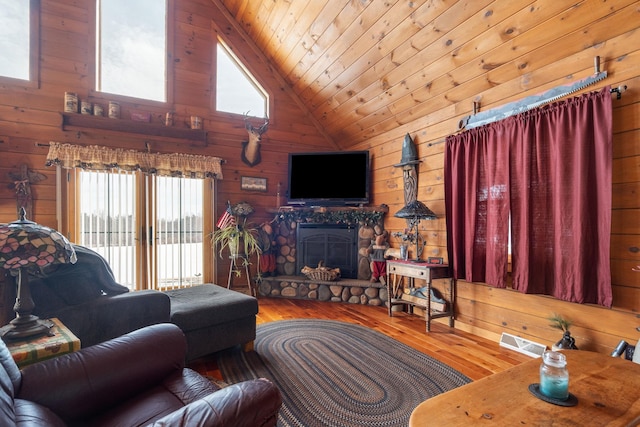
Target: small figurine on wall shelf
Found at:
377, 251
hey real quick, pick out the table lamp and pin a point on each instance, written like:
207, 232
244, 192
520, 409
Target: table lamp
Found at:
27, 248
414, 212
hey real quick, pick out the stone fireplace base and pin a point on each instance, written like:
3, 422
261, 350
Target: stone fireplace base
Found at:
351, 291
365, 220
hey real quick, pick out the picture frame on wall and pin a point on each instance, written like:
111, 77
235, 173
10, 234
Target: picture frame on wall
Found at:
253, 183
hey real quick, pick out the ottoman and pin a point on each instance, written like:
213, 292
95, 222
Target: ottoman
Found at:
213, 318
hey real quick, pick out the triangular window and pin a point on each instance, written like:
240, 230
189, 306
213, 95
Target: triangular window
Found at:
237, 91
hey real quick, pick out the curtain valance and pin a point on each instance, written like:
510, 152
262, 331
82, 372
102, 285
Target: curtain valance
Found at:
94, 157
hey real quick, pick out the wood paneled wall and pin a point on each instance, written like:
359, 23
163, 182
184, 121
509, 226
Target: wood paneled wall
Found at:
508, 71
497, 65
30, 117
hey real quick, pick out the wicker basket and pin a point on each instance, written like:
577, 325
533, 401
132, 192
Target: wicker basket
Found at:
321, 273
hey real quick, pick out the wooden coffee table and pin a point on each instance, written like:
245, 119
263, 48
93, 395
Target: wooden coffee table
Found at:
607, 389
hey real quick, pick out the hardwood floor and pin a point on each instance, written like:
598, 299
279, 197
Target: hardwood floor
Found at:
474, 356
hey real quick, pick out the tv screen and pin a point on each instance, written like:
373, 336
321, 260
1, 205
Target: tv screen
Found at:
326, 179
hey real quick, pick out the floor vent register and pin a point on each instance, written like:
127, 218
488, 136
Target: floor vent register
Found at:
522, 345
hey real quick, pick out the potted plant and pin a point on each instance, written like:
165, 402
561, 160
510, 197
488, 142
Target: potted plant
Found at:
567, 342
239, 237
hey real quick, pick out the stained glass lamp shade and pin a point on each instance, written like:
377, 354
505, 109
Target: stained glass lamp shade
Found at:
27, 248
414, 212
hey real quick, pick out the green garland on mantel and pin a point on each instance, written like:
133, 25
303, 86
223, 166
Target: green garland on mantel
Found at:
347, 216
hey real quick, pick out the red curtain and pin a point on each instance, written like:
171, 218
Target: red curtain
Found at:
547, 172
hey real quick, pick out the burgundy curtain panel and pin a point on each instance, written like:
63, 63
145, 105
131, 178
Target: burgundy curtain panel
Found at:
544, 176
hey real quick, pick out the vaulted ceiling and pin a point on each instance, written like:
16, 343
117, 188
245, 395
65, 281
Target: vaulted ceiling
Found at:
356, 63
364, 68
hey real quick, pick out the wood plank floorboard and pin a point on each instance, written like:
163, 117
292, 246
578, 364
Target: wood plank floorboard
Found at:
474, 356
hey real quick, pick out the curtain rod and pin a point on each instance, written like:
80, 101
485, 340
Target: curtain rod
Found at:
618, 91
533, 101
529, 103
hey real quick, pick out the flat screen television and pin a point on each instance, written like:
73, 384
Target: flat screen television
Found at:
329, 179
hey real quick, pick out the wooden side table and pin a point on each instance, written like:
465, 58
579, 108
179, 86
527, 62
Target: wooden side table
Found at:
412, 270
60, 341
606, 389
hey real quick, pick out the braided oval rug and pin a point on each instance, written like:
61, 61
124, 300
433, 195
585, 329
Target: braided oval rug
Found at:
334, 373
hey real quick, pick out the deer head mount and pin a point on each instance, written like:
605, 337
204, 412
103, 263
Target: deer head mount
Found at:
251, 148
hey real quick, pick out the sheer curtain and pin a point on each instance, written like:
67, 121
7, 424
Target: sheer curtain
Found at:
547, 172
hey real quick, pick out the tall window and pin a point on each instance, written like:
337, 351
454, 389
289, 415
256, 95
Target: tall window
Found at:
131, 48
150, 229
19, 39
237, 91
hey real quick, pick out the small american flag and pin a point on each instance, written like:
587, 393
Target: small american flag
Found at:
226, 219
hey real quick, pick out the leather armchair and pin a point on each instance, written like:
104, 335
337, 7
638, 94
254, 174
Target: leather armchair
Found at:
137, 379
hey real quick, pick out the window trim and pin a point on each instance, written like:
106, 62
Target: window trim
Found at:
169, 69
34, 52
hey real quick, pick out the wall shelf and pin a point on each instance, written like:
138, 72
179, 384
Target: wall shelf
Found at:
71, 121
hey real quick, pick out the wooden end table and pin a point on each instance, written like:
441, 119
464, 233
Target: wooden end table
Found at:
59, 341
412, 270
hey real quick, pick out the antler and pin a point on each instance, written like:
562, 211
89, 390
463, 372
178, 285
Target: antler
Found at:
264, 126
262, 129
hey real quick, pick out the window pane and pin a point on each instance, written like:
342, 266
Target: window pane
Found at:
108, 221
179, 232
235, 91
14, 39
131, 48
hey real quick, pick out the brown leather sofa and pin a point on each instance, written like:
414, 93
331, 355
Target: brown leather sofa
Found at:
137, 379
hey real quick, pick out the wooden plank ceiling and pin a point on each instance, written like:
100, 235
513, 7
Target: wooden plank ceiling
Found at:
364, 67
